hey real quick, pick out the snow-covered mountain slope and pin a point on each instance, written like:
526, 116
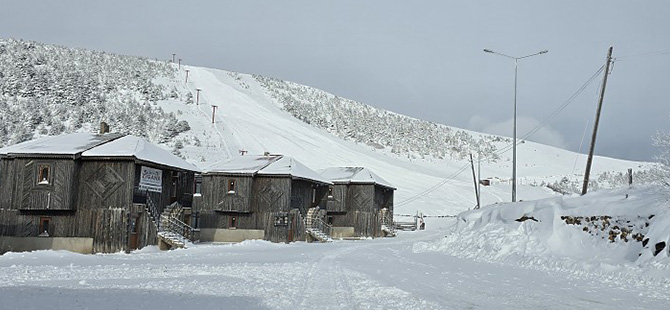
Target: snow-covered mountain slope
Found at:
250, 118
48, 90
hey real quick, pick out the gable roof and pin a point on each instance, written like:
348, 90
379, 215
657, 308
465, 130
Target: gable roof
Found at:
136, 147
269, 165
353, 175
242, 165
77, 145
70, 145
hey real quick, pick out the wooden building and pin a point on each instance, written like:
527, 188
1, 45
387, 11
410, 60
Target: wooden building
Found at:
259, 197
359, 203
88, 192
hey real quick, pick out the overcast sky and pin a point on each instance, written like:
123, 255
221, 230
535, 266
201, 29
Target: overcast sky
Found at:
420, 58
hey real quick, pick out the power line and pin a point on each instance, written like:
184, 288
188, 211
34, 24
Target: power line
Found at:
655, 53
507, 148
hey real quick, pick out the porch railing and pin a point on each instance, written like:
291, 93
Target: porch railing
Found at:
178, 229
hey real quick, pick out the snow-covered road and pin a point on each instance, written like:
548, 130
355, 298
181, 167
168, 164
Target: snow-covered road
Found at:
364, 274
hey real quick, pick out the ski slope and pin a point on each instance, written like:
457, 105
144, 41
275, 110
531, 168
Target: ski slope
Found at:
247, 119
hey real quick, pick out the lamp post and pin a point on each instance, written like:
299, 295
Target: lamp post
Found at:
516, 66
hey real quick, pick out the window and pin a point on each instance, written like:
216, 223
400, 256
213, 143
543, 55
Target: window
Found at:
231, 186
233, 222
175, 184
43, 174
313, 195
198, 184
330, 192
133, 225
44, 226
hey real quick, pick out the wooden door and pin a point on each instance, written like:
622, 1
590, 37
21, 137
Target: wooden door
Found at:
133, 240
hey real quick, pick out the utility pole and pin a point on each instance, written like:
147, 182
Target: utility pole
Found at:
197, 96
213, 112
474, 178
589, 161
479, 177
179, 67
173, 54
186, 75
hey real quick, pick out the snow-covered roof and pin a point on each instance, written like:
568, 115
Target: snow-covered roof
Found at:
95, 145
63, 145
353, 175
289, 166
131, 146
246, 165
267, 165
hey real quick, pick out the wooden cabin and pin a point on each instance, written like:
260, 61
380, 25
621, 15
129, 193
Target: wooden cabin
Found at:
259, 197
88, 193
359, 203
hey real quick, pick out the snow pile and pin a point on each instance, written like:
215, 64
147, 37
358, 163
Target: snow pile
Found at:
616, 234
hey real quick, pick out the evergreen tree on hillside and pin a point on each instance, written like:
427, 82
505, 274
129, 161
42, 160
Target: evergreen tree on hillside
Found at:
377, 128
48, 90
662, 141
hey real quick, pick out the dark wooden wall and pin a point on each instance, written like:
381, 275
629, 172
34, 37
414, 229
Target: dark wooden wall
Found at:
215, 194
383, 198
8, 172
89, 198
304, 197
257, 203
105, 184
182, 192
107, 227
337, 203
19, 186
359, 206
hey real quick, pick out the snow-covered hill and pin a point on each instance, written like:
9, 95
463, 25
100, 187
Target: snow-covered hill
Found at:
321, 130
427, 162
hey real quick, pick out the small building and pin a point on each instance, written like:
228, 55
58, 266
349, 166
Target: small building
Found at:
266, 197
88, 192
359, 203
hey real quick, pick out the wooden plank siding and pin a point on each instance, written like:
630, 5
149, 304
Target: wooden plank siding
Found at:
105, 184
21, 188
84, 198
216, 196
7, 184
256, 204
359, 206
337, 201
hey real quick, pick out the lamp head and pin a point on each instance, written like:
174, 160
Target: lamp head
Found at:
488, 50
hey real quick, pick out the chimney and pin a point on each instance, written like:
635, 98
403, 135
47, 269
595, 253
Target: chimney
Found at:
104, 128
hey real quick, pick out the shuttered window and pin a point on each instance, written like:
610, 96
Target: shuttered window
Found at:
43, 174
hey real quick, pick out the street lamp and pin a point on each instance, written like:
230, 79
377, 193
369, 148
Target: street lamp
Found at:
516, 65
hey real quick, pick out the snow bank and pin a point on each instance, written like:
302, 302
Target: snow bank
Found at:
611, 233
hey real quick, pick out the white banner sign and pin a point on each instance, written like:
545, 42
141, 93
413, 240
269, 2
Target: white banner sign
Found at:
151, 179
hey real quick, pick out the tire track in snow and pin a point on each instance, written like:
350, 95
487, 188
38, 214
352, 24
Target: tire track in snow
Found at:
326, 285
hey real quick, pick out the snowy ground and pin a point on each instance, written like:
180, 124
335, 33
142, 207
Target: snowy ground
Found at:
416, 270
